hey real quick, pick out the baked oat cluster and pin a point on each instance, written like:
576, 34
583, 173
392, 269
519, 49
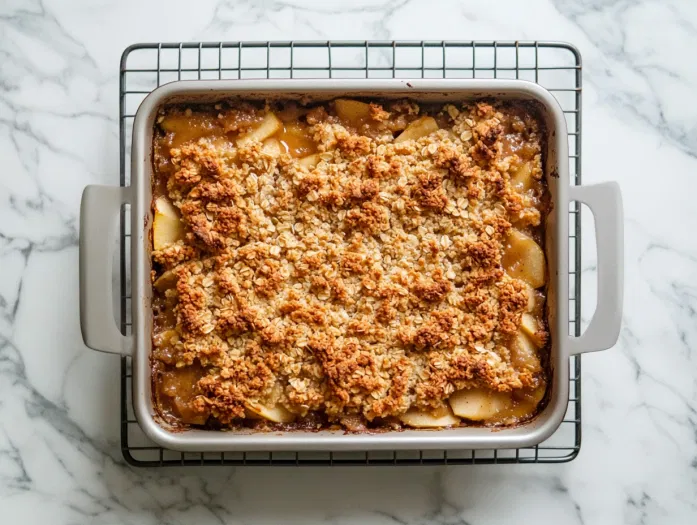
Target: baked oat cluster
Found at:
323, 271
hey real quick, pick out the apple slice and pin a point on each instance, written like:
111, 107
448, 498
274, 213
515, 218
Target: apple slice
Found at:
531, 328
167, 227
188, 413
165, 281
352, 111
524, 353
272, 147
524, 259
417, 129
164, 346
526, 402
420, 419
276, 413
310, 161
477, 404
185, 128
533, 397
532, 300
522, 179
270, 125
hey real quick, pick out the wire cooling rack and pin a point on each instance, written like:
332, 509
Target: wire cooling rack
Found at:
555, 66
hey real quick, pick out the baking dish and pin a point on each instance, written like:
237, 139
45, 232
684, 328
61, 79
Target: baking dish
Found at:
100, 206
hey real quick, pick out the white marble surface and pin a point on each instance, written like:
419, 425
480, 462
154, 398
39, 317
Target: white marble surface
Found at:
59, 443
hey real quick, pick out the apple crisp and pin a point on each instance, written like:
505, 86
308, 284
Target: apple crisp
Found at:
355, 264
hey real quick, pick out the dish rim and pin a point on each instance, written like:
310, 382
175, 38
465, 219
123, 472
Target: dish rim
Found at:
526, 434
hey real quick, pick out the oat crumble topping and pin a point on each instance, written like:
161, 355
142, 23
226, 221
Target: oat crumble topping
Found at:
349, 276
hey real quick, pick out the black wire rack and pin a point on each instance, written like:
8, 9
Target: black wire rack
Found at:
555, 66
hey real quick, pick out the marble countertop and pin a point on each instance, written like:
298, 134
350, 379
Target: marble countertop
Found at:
60, 460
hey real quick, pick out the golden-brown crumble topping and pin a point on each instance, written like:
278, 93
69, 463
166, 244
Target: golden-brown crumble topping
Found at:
364, 279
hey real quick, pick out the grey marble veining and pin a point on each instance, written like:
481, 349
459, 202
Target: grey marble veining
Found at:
59, 443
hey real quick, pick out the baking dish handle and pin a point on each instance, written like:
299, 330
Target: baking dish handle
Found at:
605, 201
100, 206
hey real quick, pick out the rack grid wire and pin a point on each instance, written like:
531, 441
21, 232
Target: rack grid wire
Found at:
556, 66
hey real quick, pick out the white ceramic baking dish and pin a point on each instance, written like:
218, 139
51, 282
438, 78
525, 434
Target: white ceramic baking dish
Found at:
101, 204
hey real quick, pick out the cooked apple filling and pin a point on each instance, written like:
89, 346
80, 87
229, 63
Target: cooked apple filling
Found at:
365, 265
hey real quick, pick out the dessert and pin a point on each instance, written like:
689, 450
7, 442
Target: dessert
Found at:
357, 264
